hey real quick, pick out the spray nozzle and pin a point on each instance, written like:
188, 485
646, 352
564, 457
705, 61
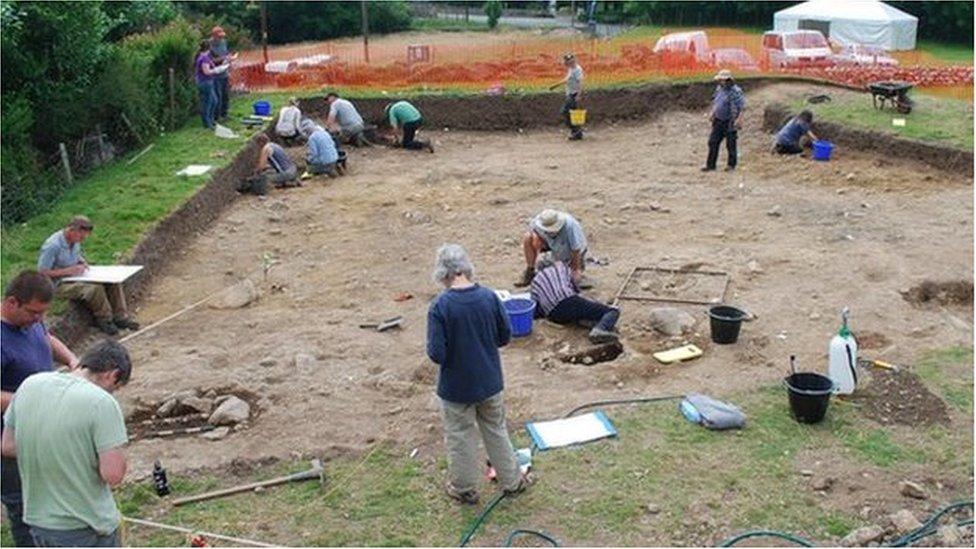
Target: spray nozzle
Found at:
845, 329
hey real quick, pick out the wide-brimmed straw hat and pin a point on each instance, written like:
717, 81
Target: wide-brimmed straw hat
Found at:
724, 74
551, 221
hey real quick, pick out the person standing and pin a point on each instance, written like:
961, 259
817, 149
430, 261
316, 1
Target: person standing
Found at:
560, 233
345, 120
28, 349
574, 93
61, 257
466, 324
404, 115
220, 53
728, 104
67, 432
206, 71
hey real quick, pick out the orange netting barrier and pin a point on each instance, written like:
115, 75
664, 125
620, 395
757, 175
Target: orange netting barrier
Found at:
487, 61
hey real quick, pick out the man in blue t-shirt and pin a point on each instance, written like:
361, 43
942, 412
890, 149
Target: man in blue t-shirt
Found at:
788, 137
27, 349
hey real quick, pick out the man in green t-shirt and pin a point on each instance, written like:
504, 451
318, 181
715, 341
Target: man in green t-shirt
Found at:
404, 115
67, 432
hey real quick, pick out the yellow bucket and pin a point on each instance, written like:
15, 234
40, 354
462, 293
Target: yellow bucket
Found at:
577, 117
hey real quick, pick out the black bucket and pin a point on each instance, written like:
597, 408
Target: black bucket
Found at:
726, 322
809, 396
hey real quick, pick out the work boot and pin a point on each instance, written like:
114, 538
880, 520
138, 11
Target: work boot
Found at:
107, 327
730, 168
708, 168
526, 480
468, 497
126, 324
526, 279
599, 335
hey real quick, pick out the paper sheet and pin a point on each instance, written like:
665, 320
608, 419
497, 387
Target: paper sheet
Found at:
574, 430
195, 169
105, 274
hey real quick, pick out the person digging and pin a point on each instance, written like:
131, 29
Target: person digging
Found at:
790, 138
560, 233
558, 297
403, 115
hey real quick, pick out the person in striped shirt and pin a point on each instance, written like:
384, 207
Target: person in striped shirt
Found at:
558, 299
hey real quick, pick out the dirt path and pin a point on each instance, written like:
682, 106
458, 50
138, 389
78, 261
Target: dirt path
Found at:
801, 240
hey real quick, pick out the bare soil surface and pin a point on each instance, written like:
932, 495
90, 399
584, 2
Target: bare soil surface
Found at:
900, 397
800, 239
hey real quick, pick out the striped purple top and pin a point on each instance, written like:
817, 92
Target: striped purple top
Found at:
552, 285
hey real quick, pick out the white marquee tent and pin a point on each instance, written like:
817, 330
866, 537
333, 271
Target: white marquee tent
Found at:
852, 21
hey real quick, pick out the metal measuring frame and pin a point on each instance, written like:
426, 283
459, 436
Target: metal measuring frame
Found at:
726, 279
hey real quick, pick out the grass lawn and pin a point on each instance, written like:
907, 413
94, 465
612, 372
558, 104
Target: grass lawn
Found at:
937, 119
124, 201
707, 485
950, 53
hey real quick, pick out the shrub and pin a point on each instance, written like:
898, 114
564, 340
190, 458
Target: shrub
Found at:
493, 9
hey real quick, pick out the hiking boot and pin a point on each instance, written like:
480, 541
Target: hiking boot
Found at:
599, 335
576, 137
468, 497
107, 327
526, 279
126, 324
526, 480
730, 168
708, 168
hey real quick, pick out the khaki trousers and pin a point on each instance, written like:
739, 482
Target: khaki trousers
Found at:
101, 299
461, 425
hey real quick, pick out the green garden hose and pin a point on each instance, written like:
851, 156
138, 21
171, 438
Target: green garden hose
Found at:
766, 534
542, 535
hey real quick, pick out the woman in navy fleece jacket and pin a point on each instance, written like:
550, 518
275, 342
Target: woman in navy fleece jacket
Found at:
466, 325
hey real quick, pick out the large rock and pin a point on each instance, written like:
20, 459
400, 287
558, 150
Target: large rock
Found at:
904, 521
949, 536
671, 320
912, 490
863, 536
230, 412
216, 434
237, 296
197, 405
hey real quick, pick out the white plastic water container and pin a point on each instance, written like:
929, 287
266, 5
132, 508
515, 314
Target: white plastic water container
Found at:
842, 357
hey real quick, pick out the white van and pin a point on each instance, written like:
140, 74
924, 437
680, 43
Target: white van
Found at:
693, 42
801, 48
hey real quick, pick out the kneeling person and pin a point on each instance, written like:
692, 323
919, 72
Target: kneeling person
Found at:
561, 234
788, 137
323, 155
559, 301
274, 165
404, 115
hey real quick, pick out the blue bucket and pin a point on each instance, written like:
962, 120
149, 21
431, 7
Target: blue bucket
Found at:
262, 108
520, 314
822, 149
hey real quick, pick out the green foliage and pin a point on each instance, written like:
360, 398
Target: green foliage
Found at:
493, 9
942, 21
135, 16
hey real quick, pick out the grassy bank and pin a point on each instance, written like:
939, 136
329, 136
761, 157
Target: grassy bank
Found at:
936, 119
703, 486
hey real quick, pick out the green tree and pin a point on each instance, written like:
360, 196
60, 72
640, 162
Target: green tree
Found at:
493, 9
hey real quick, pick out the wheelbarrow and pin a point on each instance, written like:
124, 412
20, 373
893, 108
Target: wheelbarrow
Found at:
895, 93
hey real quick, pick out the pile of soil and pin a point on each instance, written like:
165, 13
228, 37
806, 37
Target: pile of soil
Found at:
953, 292
901, 398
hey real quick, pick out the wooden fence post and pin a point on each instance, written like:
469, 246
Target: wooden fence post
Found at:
66, 163
172, 99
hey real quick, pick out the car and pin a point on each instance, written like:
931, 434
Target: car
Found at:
863, 55
736, 58
792, 49
692, 42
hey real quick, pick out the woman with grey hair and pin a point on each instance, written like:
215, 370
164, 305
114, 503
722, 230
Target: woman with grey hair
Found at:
466, 325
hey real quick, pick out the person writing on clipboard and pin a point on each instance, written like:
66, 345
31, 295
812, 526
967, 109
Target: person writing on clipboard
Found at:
61, 257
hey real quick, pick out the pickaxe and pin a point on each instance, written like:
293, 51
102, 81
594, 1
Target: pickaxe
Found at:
316, 472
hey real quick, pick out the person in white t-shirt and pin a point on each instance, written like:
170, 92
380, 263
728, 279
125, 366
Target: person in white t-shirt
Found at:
289, 120
345, 121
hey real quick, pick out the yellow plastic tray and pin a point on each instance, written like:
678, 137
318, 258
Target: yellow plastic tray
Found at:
679, 354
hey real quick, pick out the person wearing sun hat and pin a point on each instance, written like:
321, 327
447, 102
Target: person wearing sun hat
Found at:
728, 104
560, 233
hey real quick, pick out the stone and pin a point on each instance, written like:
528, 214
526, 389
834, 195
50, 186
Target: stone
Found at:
671, 320
231, 411
912, 490
197, 404
267, 362
216, 434
904, 521
167, 408
822, 484
237, 296
775, 211
949, 536
220, 399
304, 362
652, 508
850, 177
806, 473
754, 267
862, 536
814, 316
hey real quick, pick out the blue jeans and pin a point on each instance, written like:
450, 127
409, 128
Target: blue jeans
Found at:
222, 89
576, 308
13, 501
83, 537
208, 103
